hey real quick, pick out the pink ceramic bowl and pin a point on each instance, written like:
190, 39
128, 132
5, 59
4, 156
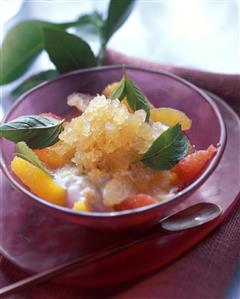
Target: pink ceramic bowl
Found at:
164, 90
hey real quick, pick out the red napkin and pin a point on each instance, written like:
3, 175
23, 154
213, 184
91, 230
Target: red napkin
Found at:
205, 272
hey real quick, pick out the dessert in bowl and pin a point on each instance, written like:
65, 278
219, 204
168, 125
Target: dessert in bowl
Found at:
125, 158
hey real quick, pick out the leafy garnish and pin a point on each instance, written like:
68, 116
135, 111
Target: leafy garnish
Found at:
169, 148
36, 131
119, 91
24, 152
135, 97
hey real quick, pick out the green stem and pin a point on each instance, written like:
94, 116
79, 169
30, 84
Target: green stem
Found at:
69, 24
101, 55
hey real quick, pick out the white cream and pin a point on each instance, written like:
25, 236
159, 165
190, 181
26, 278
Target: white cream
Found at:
78, 187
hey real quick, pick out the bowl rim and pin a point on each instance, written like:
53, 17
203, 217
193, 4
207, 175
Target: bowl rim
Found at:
176, 197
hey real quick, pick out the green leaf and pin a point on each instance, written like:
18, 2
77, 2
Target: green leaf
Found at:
36, 131
94, 19
118, 12
169, 148
34, 81
24, 152
23, 43
21, 46
135, 97
67, 51
119, 91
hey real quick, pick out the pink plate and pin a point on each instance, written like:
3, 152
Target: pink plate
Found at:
36, 241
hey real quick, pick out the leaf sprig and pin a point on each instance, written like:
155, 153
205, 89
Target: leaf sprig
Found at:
135, 97
36, 131
169, 148
25, 41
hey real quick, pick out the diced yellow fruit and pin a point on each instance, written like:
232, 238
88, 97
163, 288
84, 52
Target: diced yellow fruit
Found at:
80, 206
38, 181
170, 117
125, 102
108, 89
55, 156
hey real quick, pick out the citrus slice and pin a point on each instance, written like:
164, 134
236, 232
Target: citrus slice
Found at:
40, 183
55, 156
135, 201
170, 117
190, 167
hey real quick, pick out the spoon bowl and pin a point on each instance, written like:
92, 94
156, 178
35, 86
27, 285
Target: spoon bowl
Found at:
191, 217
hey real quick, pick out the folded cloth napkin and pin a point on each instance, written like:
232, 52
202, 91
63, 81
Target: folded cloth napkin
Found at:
205, 272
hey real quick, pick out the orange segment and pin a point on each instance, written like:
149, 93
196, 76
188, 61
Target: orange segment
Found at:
108, 89
189, 167
38, 181
170, 117
55, 156
135, 201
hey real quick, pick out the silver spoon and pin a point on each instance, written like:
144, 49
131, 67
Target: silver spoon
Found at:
191, 217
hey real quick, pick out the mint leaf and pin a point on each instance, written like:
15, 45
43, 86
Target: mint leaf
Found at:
67, 51
119, 91
24, 152
36, 131
169, 148
135, 97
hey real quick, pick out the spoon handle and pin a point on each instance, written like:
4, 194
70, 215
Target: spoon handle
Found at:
77, 263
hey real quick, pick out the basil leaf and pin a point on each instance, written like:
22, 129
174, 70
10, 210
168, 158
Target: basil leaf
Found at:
136, 98
119, 91
169, 148
67, 51
118, 12
34, 81
24, 152
21, 46
36, 131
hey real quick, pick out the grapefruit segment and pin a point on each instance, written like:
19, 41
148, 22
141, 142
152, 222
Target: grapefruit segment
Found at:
135, 201
191, 166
